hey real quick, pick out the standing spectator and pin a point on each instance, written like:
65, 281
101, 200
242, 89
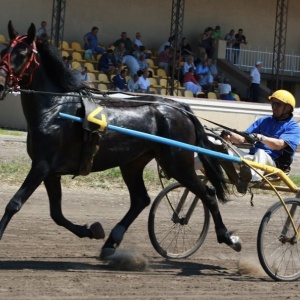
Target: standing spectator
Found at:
42, 31
225, 90
119, 81
133, 84
119, 52
131, 63
144, 83
255, 81
169, 43
239, 39
206, 42
217, 33
91, 41
164, 59
190, 82
230, 39
126, 41
186, 49
189, 63
107, 63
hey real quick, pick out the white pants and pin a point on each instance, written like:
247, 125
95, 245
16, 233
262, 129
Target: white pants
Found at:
260, 157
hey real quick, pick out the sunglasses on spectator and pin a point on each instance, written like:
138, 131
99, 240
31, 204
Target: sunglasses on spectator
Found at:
276, 104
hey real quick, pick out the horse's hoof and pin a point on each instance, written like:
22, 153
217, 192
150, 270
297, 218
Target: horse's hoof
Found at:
106, 252
236, 243
97, 231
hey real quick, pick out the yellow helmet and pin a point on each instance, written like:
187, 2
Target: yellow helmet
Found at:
285, 97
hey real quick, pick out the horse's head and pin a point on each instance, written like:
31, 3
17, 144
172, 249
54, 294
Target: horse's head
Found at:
18, 60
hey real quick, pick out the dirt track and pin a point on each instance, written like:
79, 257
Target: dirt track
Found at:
39, 260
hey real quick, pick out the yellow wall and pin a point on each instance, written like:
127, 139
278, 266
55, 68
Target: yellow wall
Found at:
152, 18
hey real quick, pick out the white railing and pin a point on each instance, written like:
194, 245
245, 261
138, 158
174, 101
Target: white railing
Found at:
248, 57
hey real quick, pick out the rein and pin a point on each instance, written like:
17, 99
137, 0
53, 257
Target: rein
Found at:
14, 80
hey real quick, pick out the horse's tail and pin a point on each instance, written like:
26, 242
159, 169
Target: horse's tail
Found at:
212, 167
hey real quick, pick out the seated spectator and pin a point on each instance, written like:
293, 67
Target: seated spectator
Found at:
169, 43
203, 76
190, 82
84, 77
107, 63
213, 70
189, 63
144, 83
225, 90
91, 41
133, 84
164, 59
137, 40
68, 61
119, 81
119, 52
186, 49
128, 45
131, 63
143, 66
42, 31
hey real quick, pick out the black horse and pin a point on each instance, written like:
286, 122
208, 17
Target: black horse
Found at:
58, 146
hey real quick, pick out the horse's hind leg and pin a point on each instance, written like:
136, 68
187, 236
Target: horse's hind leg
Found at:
32, 181
139, 199
53, 187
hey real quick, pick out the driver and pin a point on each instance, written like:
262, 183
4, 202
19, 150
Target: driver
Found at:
277, 138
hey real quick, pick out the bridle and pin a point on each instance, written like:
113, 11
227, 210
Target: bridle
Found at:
32, 62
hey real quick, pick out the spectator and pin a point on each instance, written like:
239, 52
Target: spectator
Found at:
186, 49
131, 63
144, 83
84, 77
143, 66
107, 63
216, 34
277, 137
230, 39
164, 59
255, 81
225, 90
190, 82
128, 45
119, 81
133, 84
42, 31
169, 43
206, 42
68, 61
91, 41
137, 40
213, 70
189, 63
119, 52
203, 76
239, 39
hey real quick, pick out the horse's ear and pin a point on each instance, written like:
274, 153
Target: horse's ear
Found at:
31, 32
11, 31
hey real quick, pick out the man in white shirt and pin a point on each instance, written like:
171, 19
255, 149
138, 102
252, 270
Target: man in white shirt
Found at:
132, 64
255, 81
225, 90
144, 83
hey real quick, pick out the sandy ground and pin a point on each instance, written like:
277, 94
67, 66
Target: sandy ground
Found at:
39, 260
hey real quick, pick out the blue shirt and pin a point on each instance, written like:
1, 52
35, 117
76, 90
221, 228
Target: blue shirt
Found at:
120, 82
93, 41
287, 130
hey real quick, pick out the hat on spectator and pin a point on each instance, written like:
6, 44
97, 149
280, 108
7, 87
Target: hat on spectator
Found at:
258, 63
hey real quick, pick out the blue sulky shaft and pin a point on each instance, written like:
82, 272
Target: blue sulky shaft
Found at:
161, 140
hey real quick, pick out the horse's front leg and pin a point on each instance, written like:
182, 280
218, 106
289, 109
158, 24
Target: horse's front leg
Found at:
139, 199
34, 178
53, 187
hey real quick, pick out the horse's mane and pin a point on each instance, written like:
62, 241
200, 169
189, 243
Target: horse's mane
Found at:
56, 69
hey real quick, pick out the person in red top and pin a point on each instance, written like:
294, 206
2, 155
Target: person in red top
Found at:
190, 82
